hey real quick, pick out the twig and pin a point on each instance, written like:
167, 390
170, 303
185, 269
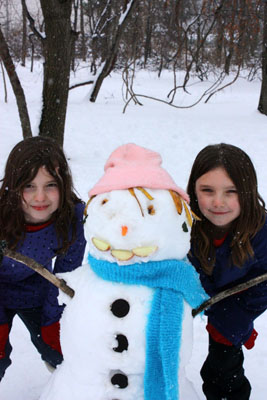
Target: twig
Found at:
136, 95
223, 87
229, 292
60, 283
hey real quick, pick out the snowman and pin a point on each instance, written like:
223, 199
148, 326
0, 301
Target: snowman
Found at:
127, 332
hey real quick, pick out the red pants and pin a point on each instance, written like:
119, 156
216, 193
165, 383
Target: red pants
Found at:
32, 319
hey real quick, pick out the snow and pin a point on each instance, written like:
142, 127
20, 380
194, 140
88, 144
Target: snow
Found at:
122, 209
93, 131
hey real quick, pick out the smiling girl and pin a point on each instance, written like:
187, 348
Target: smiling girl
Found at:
228, 247
40, 217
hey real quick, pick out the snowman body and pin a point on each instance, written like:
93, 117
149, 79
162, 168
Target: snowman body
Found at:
104, 327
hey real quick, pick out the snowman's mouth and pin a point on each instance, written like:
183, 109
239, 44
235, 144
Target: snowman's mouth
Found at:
124, 255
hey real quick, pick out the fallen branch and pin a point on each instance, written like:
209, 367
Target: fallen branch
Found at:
81, 84
59, 283
229, 292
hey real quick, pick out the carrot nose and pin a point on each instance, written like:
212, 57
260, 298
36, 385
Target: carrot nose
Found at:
124, 230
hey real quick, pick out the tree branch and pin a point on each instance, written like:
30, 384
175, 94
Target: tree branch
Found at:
59, 283
31, 21
229, 292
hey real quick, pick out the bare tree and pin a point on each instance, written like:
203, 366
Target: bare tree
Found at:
262, 107
83, 44
57, 52
24, 39
111, 57
75, 23
57, 46
17, 88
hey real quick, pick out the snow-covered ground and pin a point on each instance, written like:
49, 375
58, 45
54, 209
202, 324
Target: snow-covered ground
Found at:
93, 131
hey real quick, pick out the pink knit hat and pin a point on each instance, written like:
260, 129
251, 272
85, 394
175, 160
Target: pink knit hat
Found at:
132, 166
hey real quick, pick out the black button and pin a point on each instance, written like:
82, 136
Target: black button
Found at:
122, 343
120, 308
119, 380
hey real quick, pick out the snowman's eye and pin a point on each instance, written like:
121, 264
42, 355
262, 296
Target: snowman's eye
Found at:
151, 210
104, 201
185, 228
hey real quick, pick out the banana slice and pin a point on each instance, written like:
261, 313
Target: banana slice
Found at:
144, 251
100, 244
122, 255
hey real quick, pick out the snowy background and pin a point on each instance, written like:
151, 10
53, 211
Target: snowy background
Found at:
93, 131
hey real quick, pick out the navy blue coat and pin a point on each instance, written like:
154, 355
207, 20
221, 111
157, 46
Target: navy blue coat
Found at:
233, 317
22, 287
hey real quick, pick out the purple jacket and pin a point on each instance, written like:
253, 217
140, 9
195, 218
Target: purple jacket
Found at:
233, 317
21, 287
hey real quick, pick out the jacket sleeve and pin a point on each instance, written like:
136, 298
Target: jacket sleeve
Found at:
14, 271
51, 309
229, 316
74, 256
234, 316
205, 280
233, 319
71, 260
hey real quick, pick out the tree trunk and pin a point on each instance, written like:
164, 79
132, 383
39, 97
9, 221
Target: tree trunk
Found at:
111, 57
24, 38
83, 45
32, 49
16, 86
75, 22
7, 24
57, 52
262, 107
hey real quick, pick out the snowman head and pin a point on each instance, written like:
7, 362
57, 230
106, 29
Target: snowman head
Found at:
136, 213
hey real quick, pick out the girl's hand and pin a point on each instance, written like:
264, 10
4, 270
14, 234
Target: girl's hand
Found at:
219, 338
251, 341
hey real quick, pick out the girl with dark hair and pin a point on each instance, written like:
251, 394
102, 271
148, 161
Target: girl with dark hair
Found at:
228, 247
42, 218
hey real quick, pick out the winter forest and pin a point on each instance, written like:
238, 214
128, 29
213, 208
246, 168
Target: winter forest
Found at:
199, 38
172, 76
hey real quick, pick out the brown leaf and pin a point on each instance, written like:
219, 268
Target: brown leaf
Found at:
177, 201
87, 205
188, 214
131, 190
145, 193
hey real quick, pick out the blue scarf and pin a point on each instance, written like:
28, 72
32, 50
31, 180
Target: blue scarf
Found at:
173, 281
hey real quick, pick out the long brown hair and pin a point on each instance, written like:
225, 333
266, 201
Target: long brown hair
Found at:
241, 171
21, 168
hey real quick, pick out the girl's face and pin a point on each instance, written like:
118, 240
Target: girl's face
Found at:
217, 197
40, 197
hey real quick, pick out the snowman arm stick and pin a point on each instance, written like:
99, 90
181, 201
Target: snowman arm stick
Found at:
229, 292
59, 283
